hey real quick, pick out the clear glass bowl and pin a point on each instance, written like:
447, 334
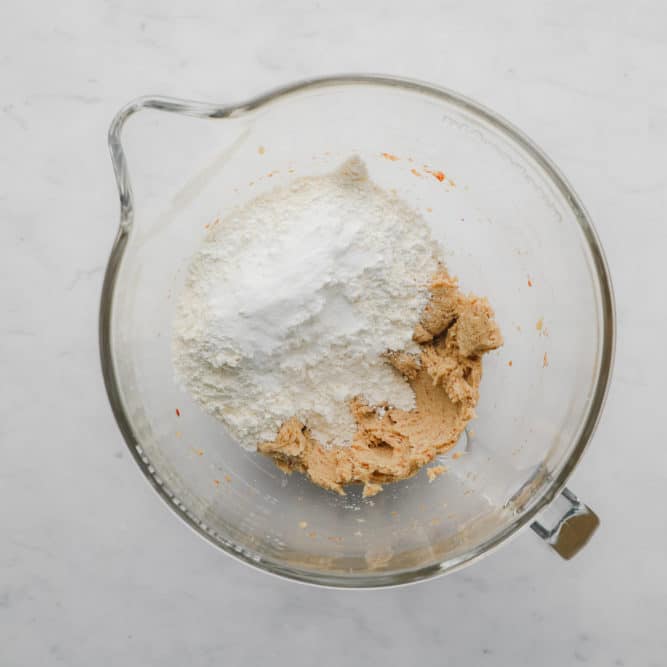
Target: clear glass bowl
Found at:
512, 229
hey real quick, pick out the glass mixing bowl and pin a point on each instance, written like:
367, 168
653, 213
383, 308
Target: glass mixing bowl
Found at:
512, 229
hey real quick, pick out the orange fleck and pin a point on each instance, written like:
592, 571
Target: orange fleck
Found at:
312, 534
198, 452
178, 412
452, 183
539, 324
545, 360
394, 514
206, 226
216, 482
436, 174
530, 282
228, 478
415, 172
509, 363
178, 434
261, 150
389, 156
429, 209
457, 455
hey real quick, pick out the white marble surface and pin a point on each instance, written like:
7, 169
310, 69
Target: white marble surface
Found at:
93, 569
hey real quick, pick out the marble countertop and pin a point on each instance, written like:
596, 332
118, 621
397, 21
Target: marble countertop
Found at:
93, 569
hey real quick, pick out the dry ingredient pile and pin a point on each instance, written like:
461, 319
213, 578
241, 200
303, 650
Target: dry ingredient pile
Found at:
319, 325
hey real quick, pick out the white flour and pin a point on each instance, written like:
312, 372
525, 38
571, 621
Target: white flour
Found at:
293, 299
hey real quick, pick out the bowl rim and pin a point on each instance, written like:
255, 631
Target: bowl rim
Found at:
212, 110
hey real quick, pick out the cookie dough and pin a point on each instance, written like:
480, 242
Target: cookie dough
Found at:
454, 332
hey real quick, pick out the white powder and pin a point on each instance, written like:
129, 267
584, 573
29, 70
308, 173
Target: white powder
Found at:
292, 301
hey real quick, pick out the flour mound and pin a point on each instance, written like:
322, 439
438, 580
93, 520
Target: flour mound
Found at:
293, 300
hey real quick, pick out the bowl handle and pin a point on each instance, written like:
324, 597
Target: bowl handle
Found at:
572, 524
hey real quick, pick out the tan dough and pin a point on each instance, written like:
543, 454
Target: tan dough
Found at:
454, 332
